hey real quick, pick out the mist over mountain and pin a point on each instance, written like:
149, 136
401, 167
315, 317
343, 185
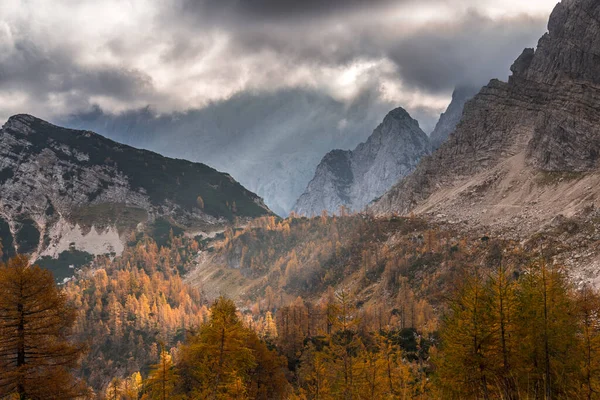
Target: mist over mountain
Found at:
270, 142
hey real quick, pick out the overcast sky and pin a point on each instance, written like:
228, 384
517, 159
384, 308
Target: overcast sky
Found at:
63, 56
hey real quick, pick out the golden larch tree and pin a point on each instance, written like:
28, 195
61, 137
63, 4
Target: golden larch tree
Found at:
36, 356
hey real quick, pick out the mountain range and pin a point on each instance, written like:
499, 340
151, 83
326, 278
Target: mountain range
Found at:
524, 153
269, 142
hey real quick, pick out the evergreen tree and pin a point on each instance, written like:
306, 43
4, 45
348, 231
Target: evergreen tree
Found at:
547, 332
502, 319
464, 366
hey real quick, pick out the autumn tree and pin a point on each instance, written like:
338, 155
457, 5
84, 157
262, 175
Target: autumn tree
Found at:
503, 307
588, 306
225, 359
314, 374
161, 381
131, 387
464, 368
547, 331
36, 356
113, 391
217, 358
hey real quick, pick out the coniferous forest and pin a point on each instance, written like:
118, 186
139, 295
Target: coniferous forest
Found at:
506, 323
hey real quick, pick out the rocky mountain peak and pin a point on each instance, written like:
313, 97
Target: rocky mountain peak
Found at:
354, 178
571, 48
400, 114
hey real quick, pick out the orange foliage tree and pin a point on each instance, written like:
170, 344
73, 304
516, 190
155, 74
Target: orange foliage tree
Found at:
36, 356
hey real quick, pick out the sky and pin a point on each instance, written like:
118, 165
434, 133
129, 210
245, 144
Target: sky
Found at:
65, 57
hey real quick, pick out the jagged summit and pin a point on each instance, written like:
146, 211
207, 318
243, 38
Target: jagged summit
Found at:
525, 150
571, 48
60, 186
354, 178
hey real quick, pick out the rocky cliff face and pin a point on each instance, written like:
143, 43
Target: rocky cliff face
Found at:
62, 188
449, 119
525, 150
354, 178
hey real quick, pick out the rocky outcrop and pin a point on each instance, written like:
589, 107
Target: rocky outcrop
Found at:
449, 119
354, 178
59, 184
540, 128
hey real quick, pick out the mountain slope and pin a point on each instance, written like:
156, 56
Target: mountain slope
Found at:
61, 187
354, 178
451, 117
525, 150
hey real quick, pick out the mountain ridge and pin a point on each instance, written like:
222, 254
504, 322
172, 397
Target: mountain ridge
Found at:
68, 184
453, 114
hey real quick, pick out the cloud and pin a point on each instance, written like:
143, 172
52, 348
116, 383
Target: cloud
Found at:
471, 50
66, 56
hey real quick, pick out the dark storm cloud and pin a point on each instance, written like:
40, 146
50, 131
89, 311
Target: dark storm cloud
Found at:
187, 53
277, 9
41, 72
470, 51
470, 48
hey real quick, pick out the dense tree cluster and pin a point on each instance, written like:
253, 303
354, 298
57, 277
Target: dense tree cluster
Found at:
530, 335
337, 358
130, 305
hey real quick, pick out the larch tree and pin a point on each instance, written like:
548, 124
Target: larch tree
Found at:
218, 358
547, 331
313, 374
36, 356
464, 368
161, 382
503, 309
588, 306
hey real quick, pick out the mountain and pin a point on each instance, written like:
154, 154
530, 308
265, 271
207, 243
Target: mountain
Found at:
525, 151
451, 117
270, 142
63, 189
354, 178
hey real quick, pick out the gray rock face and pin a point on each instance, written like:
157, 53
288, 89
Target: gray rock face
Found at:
55, 180
549, 110
354, 178
451, 118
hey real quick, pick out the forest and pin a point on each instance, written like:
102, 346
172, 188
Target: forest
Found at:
348, 307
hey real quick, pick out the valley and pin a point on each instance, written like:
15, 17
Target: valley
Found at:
460, 264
